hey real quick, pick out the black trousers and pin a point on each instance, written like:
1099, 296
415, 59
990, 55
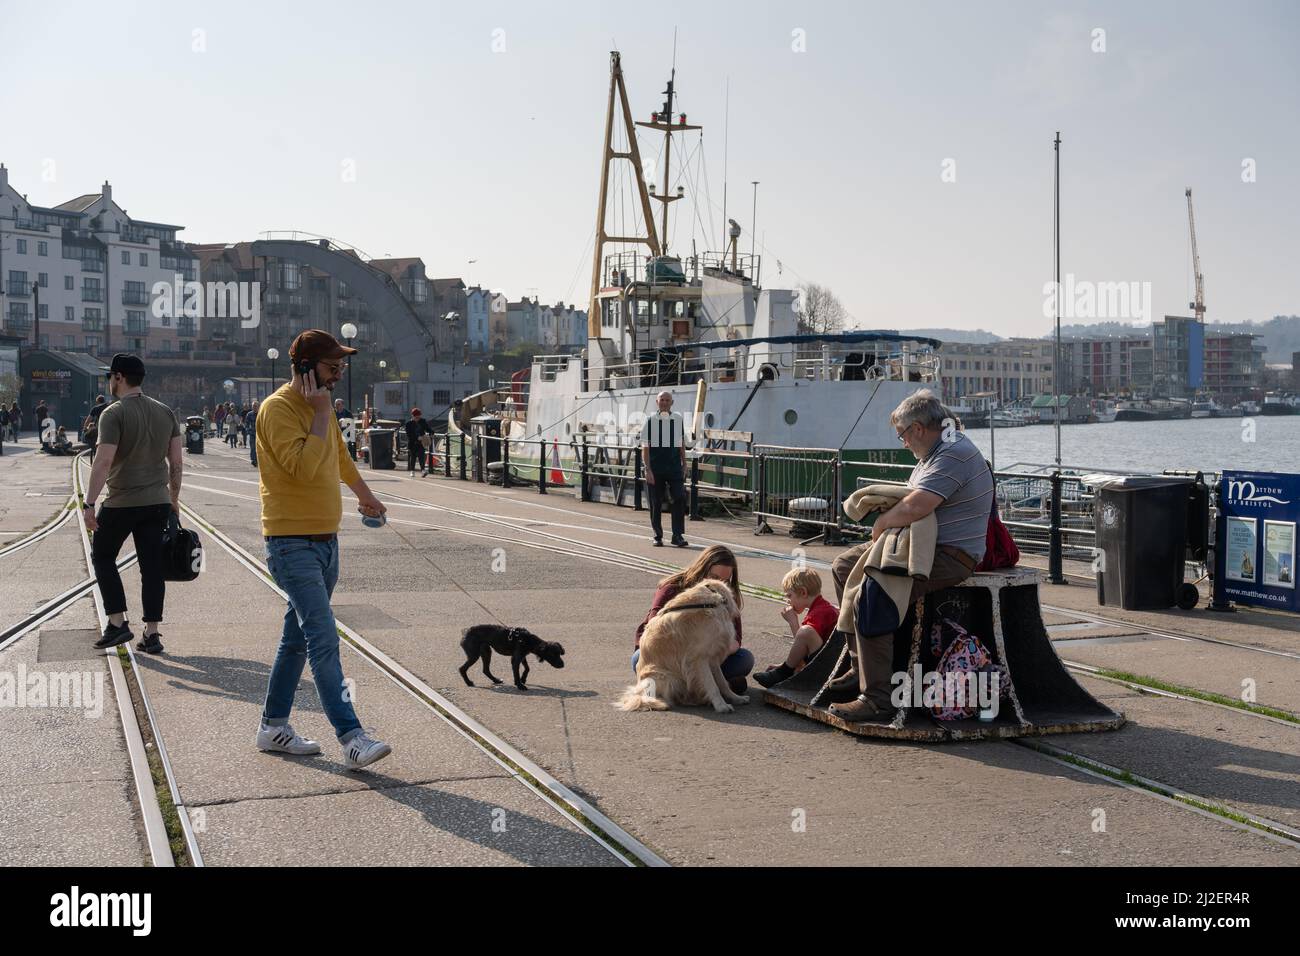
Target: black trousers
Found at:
414, 456
678, 507
145, 525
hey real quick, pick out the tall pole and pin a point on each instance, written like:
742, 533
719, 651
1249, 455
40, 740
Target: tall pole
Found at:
753, 225
1056, 353
349, 381
36, 328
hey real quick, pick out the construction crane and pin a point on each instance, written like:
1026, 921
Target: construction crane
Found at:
1199, 305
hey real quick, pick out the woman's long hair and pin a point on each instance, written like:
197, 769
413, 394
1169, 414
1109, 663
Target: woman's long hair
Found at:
709, 559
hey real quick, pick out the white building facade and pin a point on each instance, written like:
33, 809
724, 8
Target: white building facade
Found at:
94, 269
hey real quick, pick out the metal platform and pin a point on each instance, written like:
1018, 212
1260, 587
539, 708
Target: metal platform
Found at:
1044, 698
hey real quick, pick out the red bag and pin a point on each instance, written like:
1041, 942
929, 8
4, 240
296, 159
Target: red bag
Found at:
1000, 549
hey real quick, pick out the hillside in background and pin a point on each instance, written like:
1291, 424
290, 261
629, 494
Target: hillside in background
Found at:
976, 337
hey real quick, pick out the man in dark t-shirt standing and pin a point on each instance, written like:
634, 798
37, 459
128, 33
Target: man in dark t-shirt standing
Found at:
139, 460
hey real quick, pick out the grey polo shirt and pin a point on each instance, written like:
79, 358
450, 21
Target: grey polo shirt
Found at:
958, 473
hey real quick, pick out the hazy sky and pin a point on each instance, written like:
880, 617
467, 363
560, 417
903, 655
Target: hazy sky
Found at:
474, 132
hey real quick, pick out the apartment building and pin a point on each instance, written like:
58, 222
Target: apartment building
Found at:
84, 272
1012, 369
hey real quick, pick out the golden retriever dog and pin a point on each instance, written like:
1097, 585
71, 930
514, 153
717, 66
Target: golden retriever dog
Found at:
682, 651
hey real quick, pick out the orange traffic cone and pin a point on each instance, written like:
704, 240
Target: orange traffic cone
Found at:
557, 474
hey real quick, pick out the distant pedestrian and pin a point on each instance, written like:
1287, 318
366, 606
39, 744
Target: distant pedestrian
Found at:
90, 427
663, 450
219, 419
15, 421
139, 460
349, 426
42, 413
303, 461
250, 433
416, 428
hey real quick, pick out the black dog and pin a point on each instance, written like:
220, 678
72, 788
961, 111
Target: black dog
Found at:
482, 639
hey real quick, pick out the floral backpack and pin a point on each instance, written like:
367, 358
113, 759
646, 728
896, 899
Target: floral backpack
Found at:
963, 655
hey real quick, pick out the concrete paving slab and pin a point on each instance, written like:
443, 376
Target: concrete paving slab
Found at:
41, 571
487, 822
70, 823
67, 796
1251, 764
1210, 667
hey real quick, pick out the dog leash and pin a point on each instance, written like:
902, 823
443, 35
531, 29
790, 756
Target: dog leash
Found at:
401, 537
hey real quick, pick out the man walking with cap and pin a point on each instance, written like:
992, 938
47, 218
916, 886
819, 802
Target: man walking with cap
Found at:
138, 457
301, 460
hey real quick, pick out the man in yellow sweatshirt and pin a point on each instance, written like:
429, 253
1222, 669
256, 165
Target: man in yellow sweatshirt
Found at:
301, 460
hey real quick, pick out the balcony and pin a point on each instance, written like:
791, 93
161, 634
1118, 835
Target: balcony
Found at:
92, 325
133, 234
18, 323
30, 226
136, 326
92, 294
186, 328
19, 288
297, 305
92, 265
135, 297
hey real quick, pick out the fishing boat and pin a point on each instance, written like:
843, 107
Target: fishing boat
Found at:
1150, 410
700, 326
1276, 403
1103, 410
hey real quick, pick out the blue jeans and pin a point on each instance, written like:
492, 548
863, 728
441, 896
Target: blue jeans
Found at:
308, 571
737, 665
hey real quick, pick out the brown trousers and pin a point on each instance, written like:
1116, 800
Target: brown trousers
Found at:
874, 656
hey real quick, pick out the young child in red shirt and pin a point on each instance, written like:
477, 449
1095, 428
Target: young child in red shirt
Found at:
803, 595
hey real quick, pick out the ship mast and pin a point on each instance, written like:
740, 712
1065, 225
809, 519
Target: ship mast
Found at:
633, 154
663, 122
660, 121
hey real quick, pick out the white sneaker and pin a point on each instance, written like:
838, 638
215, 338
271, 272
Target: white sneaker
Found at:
363, 750
282, 739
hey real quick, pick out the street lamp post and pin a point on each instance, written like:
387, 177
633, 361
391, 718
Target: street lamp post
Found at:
349, 332
452, 319
273, 354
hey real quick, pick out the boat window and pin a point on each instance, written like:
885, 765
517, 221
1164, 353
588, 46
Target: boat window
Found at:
791, 416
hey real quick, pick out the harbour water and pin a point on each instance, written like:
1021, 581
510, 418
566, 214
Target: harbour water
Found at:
1261, 443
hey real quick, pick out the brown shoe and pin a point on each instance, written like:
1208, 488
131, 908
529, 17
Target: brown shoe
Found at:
857, 711
841, 690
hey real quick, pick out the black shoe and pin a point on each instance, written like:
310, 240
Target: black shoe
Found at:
150, 644
774, 675
680, 543
659, 542
113, 636
738, 686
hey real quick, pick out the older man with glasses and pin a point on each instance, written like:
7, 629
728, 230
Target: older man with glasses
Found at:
952, 481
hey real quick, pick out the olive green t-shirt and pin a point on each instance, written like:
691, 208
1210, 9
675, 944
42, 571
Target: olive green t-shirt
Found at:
142, 429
